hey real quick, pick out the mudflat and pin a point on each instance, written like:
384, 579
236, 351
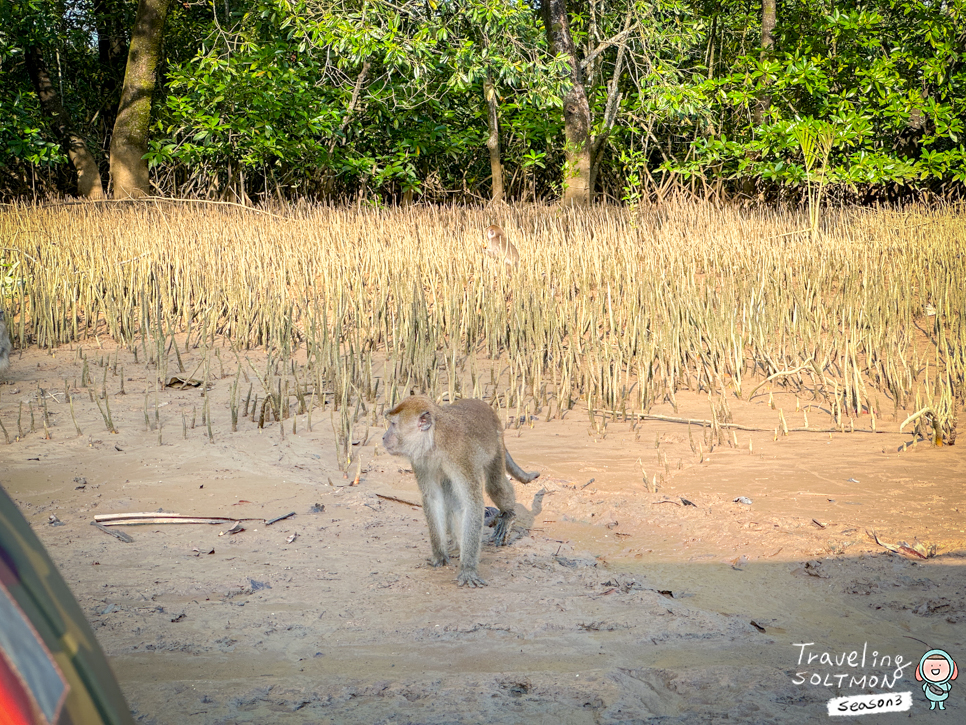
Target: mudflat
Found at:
616, 602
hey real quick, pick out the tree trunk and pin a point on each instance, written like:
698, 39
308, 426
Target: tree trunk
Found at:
578, 189
88, 179
767, 24
767, 45
111, 44
129, 143
764, 100
493, 141
112, 54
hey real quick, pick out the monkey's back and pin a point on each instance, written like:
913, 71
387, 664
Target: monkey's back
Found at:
473, 420
504, 251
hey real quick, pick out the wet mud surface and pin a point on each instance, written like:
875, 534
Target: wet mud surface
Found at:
615, 603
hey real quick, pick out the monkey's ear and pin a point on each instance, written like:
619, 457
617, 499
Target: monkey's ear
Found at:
425, 421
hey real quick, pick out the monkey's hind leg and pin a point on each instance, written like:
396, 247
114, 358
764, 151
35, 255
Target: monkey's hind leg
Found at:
502, 528
472, 526
500, 491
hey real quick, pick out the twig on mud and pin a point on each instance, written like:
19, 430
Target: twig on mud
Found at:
901, 547
710, 423
119, 535
279, 518
148, 517
398, 500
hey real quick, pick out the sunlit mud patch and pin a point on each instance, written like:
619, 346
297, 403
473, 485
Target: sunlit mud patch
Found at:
616, 602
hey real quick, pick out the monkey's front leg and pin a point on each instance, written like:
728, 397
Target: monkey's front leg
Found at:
434, 506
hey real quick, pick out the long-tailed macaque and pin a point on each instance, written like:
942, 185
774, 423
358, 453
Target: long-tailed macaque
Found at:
497, 245
456, 451
5, 346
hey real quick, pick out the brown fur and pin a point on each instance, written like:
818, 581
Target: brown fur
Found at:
497, 245
456, 451
5, 347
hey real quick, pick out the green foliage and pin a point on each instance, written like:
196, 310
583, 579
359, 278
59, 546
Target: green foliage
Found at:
23, 137
883, 76
356, 98
252, 106
64, 34
273, 93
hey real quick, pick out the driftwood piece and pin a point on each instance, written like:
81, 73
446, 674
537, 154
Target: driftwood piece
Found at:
279, 518
399, 500
167, 520
154, 517
119, 535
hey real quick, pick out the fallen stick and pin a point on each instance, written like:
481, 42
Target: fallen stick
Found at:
120, 535
279, 518
166, 520
398, 500
149, 517
141, 514
144, 520
736, 426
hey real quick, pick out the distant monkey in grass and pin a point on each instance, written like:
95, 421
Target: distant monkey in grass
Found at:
497, 245
5, 346
456, 451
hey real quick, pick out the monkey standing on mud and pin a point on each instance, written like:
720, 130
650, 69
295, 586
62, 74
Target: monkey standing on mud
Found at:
456, 451
497, 245
5, 346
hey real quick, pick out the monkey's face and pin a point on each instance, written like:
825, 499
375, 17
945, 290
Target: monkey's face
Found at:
410, 430
494, 240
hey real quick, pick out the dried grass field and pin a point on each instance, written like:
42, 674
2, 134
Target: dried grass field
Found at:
643, 360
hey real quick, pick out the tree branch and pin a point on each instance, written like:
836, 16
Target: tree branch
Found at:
613, 95
617, 39
352, 105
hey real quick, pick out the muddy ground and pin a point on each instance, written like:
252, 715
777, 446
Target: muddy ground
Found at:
614, 603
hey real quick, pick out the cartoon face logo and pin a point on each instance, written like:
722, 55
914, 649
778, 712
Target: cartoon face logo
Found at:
936, 670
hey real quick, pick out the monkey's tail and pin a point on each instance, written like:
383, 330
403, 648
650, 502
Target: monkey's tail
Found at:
518, 473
